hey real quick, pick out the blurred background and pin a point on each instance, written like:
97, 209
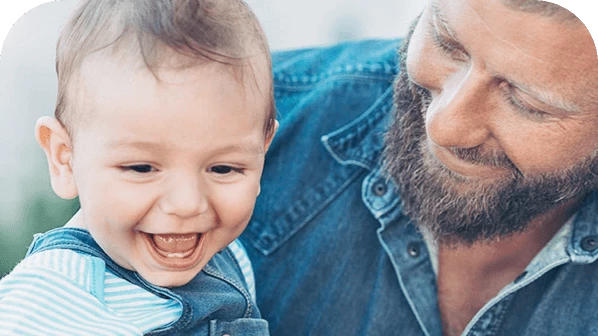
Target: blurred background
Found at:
28, 91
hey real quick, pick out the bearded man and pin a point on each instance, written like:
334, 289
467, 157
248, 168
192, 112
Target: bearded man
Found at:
448, 191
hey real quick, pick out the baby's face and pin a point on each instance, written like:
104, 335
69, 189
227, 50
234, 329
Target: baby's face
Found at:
167, 172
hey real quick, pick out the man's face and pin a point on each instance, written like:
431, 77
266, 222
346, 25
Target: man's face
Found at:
503, 121
167, 172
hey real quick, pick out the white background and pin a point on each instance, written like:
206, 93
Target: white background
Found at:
302, 21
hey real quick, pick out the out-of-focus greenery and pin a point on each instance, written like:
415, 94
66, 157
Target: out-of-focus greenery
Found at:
41, 213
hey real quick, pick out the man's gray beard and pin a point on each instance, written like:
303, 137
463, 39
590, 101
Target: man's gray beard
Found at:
485, 211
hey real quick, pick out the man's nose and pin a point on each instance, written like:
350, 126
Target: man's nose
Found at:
458, 115
186, 196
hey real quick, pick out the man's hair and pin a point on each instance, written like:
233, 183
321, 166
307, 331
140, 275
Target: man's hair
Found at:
222, 31
544, 8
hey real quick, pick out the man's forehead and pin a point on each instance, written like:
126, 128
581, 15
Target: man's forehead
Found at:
544, 8
563, 53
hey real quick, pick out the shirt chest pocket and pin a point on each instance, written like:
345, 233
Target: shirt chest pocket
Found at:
282, 212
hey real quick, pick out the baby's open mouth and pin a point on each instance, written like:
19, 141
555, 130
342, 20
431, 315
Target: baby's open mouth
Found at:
176, 251
175, 245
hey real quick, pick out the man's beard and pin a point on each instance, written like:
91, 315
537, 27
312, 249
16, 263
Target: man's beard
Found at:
453, 209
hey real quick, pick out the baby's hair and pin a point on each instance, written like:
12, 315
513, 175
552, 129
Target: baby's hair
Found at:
222, 31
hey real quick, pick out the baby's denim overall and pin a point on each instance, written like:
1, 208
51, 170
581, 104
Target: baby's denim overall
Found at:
215, 302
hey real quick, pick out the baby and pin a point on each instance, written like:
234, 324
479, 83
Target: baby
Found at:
164, 114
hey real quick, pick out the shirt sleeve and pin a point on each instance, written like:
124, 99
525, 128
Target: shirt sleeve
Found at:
57, 292
245, 264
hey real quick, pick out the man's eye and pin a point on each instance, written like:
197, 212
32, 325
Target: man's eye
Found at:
535, 113
512, 98
223, 170
142, 169
448, 48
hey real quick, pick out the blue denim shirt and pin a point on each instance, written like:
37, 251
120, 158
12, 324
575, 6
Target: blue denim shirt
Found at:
333, 253
214, 303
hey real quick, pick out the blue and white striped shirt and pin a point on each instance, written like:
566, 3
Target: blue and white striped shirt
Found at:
61, 292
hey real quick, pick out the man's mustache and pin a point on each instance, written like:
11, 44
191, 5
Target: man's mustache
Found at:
477, 155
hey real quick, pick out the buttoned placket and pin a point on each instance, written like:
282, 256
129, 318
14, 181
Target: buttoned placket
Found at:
405, 248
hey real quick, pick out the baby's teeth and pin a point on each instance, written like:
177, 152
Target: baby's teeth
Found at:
175, 255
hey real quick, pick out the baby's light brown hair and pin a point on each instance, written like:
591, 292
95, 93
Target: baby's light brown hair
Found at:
221, 31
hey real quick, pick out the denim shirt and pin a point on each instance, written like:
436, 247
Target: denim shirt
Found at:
214, 303
332, 251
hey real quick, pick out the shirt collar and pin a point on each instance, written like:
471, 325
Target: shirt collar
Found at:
576, 241
583, 243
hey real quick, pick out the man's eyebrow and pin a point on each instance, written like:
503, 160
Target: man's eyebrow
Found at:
437, 13
547, 98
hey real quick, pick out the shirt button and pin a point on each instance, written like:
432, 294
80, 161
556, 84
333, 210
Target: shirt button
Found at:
589, 243
380, 189
520, 277
413, 250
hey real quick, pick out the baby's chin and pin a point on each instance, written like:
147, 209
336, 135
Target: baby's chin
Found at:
169, 279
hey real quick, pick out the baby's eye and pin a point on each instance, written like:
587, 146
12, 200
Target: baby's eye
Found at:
142, 168
223, 170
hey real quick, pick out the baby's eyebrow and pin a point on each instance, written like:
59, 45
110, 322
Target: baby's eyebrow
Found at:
248, 148
136, 143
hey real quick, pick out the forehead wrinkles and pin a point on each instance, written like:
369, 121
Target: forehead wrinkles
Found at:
531, 34
540, 50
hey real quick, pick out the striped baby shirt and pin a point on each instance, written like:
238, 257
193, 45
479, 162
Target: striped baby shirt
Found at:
61, 292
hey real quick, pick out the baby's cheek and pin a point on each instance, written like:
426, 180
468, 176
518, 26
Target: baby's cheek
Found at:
232, 222
237, 213
233, 216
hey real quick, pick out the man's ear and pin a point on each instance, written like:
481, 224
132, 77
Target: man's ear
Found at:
269, 139
56, 143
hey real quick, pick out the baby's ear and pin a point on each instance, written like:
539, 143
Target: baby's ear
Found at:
266, 146
269, 139
56, 142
